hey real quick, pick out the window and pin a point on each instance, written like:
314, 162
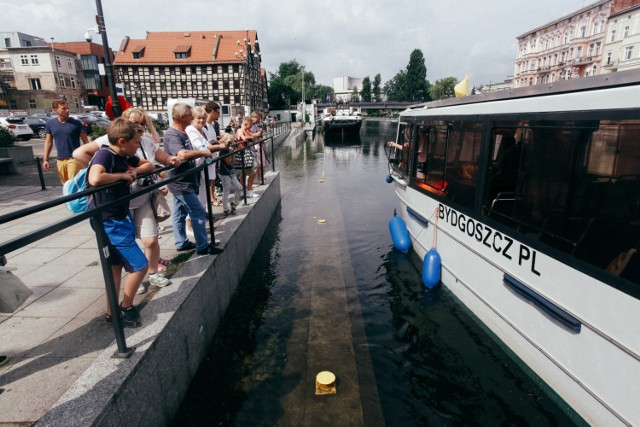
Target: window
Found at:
32, 103
34, 84
12, 104
138, 53
73, 81
34, 59
628, 52
532, 182
626, 31
58, 62
598, 46
69, 63
7, 42
182, 52
24, 59
583, 31
61, 79
608, 58
612, 36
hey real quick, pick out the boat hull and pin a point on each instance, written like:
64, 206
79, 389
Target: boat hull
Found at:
596, 369
346, 126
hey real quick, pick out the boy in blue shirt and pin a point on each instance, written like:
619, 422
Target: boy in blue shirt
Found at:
118, 163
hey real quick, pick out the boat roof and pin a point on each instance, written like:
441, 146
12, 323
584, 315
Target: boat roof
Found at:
602, 81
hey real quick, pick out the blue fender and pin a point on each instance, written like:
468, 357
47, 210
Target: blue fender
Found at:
431, 269
399, 234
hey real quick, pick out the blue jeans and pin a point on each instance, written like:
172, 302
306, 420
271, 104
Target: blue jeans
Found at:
188, 204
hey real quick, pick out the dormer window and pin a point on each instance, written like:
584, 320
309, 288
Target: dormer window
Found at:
182, 52
138, 52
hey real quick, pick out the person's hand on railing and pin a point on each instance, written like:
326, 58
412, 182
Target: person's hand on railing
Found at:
129, 176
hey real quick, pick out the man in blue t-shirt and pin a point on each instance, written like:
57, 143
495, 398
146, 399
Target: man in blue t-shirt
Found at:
66, 132
118, 163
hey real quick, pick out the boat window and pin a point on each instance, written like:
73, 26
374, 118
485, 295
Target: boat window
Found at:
447, 159
573, 185
400, 155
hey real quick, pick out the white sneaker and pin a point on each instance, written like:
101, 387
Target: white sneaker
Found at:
144, 287
251, 195
158, 280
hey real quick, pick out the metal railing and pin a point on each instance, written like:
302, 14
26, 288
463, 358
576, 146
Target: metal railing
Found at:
95, 216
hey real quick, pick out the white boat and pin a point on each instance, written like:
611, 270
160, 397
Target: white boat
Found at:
535, 196
342, 119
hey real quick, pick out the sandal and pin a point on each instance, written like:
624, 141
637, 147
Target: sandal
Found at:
216, 203
164, 262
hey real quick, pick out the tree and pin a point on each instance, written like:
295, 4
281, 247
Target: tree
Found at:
286, 84
355, 97
410, 84
375, 91
365, 93
323, 92
443, 88
394, 88
416, 84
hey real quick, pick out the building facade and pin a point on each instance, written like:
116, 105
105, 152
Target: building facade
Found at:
569, 47
622, 48
34, 73
91, 57
224, 66
344, 87
36, 76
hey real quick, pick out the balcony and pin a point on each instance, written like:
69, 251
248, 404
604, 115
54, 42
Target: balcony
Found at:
611, 64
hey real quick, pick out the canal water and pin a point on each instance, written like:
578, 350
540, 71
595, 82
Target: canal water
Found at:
326, 290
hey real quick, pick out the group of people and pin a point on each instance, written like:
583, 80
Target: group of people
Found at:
131, 148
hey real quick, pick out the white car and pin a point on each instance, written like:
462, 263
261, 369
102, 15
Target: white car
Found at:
18, 127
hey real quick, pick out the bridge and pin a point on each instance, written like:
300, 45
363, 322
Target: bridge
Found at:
389, 105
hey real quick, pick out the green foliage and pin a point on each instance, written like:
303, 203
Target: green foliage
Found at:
375, 91
6, 137
365, 93
355, 96
285, 86
97, 131
322, 91
443, 88
410, 84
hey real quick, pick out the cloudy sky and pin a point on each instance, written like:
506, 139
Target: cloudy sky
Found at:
331, 38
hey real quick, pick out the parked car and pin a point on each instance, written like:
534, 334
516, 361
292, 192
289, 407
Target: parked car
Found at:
37, 126
87, 121
18, 127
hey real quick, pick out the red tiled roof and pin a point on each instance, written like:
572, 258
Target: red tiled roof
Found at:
160, 47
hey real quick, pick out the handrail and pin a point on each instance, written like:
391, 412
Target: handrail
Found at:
95, 215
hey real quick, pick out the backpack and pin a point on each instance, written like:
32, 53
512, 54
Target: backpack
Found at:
75, 185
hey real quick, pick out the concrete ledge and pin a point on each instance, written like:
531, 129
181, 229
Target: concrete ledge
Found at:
179, 324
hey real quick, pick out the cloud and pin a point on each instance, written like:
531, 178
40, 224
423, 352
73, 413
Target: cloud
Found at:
331, 38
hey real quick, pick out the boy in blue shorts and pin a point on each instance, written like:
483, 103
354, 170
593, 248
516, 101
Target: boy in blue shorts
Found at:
118, 163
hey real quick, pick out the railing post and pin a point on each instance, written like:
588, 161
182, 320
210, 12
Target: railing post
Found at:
103, 249
40, 174
273, 155
262, 156
208, 197
244, 177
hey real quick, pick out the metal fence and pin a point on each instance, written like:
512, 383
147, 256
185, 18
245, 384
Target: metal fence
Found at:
95, 216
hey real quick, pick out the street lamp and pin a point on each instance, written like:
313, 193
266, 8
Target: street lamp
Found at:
56, 79
102, 30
